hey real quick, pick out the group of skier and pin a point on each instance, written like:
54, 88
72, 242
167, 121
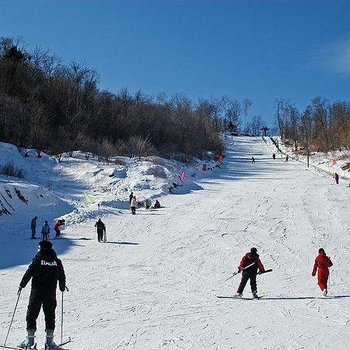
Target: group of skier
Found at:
147, 203
45, 229
251, 265
46, 270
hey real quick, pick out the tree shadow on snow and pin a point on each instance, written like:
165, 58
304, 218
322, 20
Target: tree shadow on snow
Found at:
81, 239
147, 213
307, 297
124, 243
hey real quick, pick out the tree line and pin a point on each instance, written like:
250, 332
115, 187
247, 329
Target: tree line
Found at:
57, 108
323, 125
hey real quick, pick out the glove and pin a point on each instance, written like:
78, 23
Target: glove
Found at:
313, 274
19, 290
65, 288
240, 268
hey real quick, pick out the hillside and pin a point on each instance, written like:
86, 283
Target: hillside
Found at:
154, 284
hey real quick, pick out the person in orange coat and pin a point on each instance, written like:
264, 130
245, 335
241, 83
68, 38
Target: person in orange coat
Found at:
322, 264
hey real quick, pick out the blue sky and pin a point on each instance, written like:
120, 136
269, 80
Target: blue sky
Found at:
253, 49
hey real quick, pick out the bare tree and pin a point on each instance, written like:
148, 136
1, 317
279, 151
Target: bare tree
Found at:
246, 104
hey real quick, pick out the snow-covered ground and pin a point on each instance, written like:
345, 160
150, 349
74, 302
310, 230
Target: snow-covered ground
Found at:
154, 284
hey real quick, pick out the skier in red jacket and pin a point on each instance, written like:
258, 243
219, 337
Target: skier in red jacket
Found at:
56, 227
322, 263
249, 266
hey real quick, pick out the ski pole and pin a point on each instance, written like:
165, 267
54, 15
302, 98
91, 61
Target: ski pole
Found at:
62, 319
66, 288
260, 273
14, 311
237, 272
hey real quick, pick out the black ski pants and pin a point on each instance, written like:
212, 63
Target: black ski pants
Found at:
100, 235
244, 280
45, 298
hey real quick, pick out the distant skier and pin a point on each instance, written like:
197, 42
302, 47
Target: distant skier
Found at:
156, 204
147, 203
57, 225
45, 270
253, 160
130, 196
45, 231
133, 205
336, 177
101, 230
273, 156
322, 264
287, 158
251, 258
33, 224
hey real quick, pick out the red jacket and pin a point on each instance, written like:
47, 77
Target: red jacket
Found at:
58, 223
322, 262
248, 259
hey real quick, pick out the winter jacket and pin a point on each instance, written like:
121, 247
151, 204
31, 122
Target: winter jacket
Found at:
45, 228
45, 270
33, 223
100, 226
133, 203
248, 259
58, 223
322, 263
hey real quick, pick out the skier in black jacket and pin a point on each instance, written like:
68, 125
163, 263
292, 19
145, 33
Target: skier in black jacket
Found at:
45, 270
101, 229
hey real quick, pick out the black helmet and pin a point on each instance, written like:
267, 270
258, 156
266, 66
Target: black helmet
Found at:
321, 250
253, 250
45, 245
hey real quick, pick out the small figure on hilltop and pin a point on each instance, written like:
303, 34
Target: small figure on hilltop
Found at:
253, 160
321, 266
249, 266
57, 225
273, 156
45, 231
45, 270
130, 197
101, 230
33, 224
336, 177
156, 204
133, 205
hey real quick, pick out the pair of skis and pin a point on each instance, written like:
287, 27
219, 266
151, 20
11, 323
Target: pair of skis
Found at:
239, 298
58, 346
236, 273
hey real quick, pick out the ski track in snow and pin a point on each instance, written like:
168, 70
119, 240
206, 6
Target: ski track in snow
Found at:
154, 284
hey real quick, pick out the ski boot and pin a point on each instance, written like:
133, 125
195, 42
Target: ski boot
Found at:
255, 295
29, 342
49, 344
